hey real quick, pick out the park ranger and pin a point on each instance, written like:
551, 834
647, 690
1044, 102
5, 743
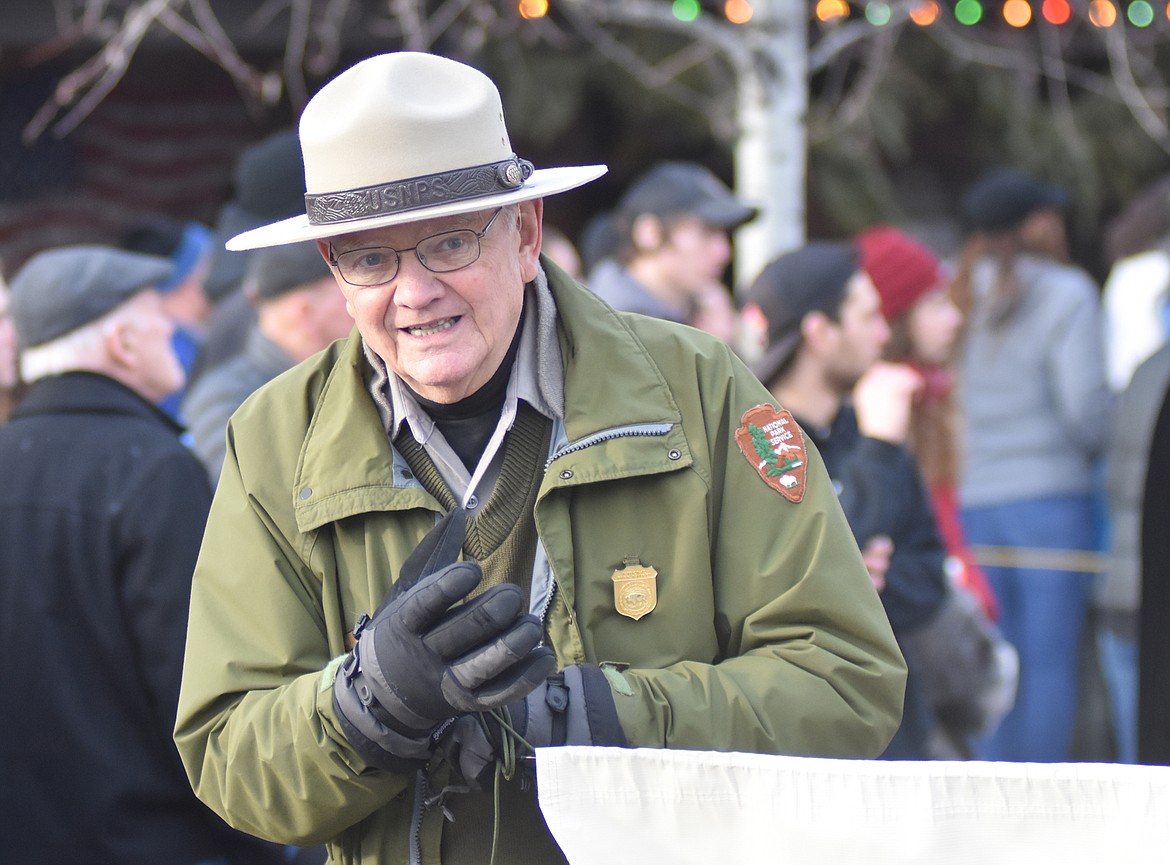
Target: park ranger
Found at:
553, 523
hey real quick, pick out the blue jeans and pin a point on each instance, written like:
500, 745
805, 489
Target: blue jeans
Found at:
1118, 658
1042, 613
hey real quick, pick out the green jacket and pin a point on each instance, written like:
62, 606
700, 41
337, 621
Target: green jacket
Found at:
767, 635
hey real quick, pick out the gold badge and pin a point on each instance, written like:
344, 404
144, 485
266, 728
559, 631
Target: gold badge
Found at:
774, 445
635, 589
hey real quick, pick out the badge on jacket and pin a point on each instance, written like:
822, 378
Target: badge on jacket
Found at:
774, 445
635, 589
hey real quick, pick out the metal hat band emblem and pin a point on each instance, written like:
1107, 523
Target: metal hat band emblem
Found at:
417, 192
635, 589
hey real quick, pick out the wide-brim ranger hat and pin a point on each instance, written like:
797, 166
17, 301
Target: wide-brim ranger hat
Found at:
403, 137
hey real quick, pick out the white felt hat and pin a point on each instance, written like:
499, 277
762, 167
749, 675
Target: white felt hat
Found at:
404, 137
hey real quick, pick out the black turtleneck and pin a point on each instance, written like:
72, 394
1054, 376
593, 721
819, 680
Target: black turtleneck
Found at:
469, 423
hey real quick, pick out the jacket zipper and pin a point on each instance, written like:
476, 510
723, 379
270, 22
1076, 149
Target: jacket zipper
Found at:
631, 430
642, 429
420, 797
552, 593
647, 429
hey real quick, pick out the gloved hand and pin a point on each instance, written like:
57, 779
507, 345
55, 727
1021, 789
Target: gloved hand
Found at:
418, 661
573, 707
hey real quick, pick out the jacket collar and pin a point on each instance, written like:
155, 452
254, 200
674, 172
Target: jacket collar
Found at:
610, 378
88, 393
347, 465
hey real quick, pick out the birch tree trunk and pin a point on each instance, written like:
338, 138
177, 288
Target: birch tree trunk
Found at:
771, 151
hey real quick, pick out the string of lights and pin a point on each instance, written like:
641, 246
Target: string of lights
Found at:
733, 11
1014, 13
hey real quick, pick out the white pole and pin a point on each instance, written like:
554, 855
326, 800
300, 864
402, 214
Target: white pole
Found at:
770, 155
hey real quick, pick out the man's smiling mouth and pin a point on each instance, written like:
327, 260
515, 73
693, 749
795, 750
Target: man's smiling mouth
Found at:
433, 327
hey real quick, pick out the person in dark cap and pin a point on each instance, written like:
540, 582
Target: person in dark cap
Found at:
1003, 198
672, 231
299, 311
1035, 408
103, 513
269, 184
820, 358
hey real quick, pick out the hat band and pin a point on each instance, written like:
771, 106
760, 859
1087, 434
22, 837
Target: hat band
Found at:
417, 192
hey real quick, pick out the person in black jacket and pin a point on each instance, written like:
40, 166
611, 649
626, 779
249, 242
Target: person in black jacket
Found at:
1153, 710
823, 333
102, 511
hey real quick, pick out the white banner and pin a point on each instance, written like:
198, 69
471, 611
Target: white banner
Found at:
611, 806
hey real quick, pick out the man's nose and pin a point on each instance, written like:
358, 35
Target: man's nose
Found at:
414, 285
722, 244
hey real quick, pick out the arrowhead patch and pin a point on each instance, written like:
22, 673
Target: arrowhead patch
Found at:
772, 442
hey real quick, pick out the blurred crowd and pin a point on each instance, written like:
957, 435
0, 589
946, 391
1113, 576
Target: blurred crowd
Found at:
990, 416
994, 421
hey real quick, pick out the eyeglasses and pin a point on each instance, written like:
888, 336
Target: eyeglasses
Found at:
439, 253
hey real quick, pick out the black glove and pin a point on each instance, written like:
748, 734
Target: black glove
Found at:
418, 662
573, 707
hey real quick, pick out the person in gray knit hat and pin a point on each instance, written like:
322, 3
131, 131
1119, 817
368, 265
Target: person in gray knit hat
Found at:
103, 513
299, 311
552, 523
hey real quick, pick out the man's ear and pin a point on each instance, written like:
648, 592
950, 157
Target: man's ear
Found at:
647, 233
121, 344
530, 216
323, 248
815, 329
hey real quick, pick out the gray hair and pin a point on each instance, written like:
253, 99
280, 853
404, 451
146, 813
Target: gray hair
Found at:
81, 349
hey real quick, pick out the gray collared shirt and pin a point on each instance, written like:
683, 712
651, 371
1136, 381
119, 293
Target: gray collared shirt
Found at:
537, 378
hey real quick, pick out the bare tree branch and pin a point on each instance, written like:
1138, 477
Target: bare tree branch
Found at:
690, 64
210, 40
300, 19
411, 19
881, 50
329, 37
841, 38
1132, 94
1053, 66
89, 84
603, 24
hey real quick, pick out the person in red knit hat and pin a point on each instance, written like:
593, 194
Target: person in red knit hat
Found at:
924, 326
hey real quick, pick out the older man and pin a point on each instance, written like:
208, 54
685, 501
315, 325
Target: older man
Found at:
103, 509
589, 483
